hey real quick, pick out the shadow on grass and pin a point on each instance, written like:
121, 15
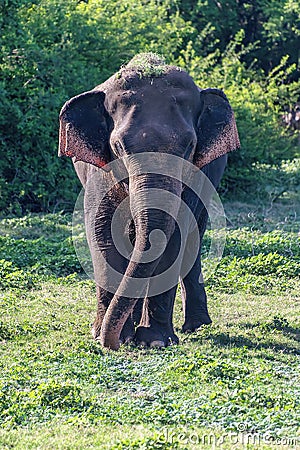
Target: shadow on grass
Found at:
277, 324
238, 341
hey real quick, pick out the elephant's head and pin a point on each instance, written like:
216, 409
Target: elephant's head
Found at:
147, 106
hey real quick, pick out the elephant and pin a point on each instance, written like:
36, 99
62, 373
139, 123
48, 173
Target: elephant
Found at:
291, 118
154, 110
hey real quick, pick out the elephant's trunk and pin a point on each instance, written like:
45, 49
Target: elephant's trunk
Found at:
154, 203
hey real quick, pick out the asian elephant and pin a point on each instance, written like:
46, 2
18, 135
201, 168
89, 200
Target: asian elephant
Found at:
291, 118
154, 109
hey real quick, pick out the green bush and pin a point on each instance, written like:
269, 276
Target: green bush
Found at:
52, 50
256, 100
256, 262
11, 277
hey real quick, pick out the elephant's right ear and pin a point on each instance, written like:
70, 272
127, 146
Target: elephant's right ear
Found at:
84, 130
216, 128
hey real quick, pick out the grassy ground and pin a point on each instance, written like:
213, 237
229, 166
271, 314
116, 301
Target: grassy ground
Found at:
234, 384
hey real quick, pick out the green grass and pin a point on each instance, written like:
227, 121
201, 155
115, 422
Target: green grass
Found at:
147, 65
234, 383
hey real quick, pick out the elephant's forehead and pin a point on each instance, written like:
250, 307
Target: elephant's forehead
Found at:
132, 83
133, 90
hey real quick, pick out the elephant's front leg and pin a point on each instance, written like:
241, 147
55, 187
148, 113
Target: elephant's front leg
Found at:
108, 263
156, 325
104, 296
103, 300
194, 299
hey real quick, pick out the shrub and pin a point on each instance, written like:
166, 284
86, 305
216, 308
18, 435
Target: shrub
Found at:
11, 277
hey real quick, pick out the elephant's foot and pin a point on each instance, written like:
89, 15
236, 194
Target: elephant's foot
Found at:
155, 335
192, 324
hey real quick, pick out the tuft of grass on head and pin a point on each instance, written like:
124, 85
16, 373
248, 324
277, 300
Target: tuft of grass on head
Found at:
147, 64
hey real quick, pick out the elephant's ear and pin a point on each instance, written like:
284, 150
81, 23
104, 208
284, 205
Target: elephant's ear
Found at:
216, 128
84, 130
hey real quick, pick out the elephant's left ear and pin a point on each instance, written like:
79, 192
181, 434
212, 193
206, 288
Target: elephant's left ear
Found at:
84, 130
216, 128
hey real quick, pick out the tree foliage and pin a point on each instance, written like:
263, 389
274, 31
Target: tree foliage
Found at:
273, 26
54, 49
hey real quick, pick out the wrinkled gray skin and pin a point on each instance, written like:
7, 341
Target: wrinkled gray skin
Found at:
126, 115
